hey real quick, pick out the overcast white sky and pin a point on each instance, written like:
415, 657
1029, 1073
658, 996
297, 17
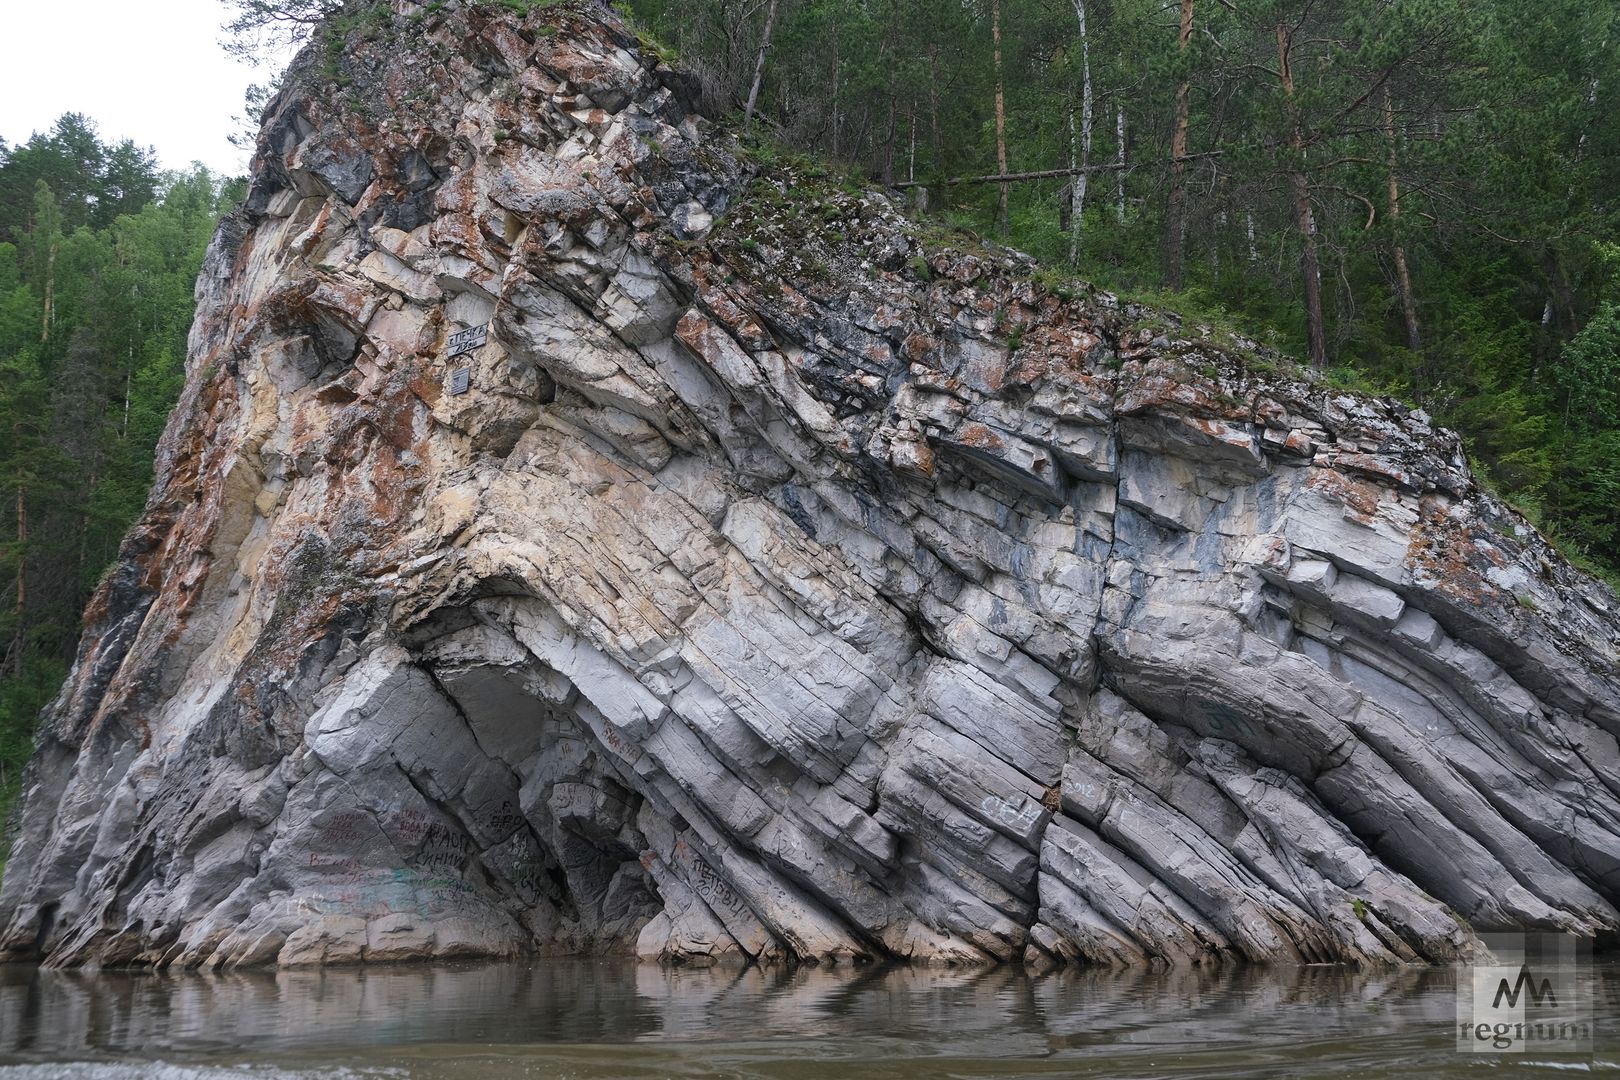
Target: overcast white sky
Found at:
149, 70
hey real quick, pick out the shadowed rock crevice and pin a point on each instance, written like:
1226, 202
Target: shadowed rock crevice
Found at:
775, 582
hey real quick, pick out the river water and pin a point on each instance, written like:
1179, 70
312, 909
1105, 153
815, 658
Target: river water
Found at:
593, 1019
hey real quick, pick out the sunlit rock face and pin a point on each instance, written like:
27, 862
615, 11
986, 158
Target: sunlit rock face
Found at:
775, 582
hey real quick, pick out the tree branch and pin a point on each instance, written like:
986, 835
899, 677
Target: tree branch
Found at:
1041, 174
1372, 211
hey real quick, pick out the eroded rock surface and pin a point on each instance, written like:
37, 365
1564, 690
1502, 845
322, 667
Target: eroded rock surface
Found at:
784, 584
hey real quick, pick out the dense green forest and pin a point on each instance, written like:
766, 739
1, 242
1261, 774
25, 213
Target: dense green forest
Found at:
1418, 196
98, 255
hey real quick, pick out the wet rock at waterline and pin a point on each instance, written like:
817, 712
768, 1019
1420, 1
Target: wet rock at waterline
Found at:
769, 580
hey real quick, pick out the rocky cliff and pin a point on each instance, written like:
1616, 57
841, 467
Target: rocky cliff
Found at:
575, 535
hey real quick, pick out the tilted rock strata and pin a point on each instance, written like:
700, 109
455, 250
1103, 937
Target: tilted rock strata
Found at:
782, 586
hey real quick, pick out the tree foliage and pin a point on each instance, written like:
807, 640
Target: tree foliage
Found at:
260, 26
1417, 195
92, 183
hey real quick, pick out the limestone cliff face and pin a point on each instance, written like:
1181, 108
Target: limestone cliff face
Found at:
774, 582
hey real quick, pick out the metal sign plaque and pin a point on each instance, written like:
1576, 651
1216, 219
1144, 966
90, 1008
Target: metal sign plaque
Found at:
460, 380
467, 340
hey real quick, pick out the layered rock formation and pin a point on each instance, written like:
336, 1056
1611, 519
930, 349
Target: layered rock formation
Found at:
775, 582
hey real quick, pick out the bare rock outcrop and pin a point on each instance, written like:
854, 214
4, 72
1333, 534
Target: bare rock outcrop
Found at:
575, 535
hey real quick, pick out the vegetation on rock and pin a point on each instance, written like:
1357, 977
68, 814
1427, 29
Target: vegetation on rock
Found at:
1436, 173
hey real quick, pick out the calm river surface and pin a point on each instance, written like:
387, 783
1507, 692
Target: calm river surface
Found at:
597, 1019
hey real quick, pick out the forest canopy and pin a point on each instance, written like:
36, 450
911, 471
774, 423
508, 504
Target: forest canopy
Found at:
1416, 196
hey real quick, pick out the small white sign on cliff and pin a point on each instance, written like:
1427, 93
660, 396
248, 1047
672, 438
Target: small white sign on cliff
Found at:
463, 341
460, 380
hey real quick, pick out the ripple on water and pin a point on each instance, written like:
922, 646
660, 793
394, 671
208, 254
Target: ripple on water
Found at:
614, 1020
163, 1070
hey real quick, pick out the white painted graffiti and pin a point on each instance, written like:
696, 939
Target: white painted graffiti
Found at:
1019, 815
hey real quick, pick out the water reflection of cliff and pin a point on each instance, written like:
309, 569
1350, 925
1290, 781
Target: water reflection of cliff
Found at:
995, 1012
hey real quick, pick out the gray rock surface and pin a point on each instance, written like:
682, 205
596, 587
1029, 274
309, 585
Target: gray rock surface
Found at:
788, 583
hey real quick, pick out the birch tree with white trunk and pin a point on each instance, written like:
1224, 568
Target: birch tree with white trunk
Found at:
1077, 189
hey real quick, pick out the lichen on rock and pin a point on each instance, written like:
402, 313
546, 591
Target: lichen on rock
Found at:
784, 586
